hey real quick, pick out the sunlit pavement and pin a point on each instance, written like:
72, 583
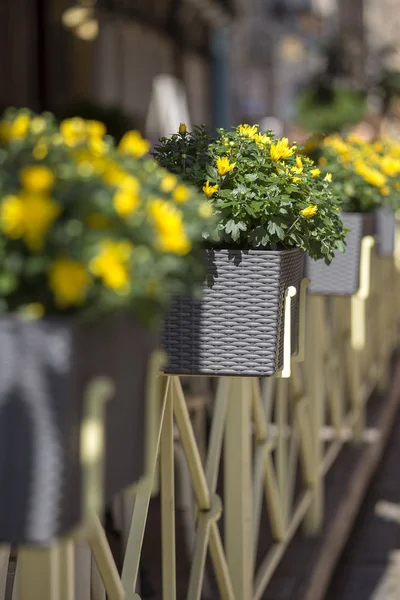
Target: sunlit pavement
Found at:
369, 568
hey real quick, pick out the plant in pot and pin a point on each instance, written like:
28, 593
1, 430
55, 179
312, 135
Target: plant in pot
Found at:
386, 156
272, 206
94, 241
356, 168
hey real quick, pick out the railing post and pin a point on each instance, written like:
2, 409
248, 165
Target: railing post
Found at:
238, 488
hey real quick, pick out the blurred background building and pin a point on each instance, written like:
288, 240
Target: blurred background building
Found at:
293, 61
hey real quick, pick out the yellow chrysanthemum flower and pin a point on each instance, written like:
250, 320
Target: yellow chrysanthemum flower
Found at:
40, 151
96, 129
299, 162
37, 125
12, 219
169, 225
385, 190
181, 194
315, 172
37, 179
35, 310
182, 128
390, 166
133, 143
370, 175
322, 161
125, 202
28, 217
224, 166
281, 149
310, 211
73, 131
68, 280
111, 264
19, 127
250, 131
210, 190
168, 183
328, 177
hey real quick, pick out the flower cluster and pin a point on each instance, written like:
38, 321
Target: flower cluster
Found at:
90, 227
365, 174
265, 192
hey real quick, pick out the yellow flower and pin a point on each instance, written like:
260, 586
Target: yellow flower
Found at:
98, 146
210, 190
182, 128
97, 221
12, 217
112, 263
28, 217
262, 139
310, 211
125, 202
206, 210
130, 183
390, 166
39, 214
224, 166
296, 179
250, 131
37, 178
299, 162
35, 310
385, 190
181, 194
168, 183
68, 280
281, 149
370, 175
328, 177
19, 127
315, 172
169, 225
38, 125
40, 151
322, 161
73, 131
96, 129
133, 143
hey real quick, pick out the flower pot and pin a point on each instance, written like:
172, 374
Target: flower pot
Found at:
385, 228
237, 327
342, 276
45, 367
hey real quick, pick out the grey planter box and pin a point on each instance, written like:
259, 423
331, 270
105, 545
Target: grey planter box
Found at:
237, 327
385, 228
45, 367
342, 276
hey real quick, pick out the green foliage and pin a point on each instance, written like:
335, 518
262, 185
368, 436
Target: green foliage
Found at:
264, 193
87, 227
340, 108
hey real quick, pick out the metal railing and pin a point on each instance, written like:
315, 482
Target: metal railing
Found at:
277, 438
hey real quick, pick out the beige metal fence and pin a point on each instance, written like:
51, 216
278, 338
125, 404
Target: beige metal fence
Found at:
278, 439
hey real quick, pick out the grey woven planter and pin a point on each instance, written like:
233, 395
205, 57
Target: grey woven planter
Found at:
45, 367
342, 276
385, 227
237, 328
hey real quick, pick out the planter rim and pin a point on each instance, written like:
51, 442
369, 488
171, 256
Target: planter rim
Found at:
256, 250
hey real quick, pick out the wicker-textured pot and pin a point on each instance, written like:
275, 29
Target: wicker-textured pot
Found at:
237, 327
385, 228
45, 367
342, 276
